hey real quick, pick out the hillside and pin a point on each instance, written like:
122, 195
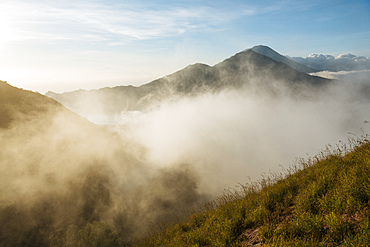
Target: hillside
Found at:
47, 157
15, 103
26, 115
59, 172
320, 202
248, 70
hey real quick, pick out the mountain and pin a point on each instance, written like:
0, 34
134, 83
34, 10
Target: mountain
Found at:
249, 65
267, 51
248, 70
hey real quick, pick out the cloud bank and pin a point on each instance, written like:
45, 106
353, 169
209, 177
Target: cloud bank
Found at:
235, 135
343, 62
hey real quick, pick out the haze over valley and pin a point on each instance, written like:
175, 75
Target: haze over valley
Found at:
121, 118
160, 148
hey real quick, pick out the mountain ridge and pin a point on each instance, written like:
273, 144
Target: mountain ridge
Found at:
241, 70
267, 51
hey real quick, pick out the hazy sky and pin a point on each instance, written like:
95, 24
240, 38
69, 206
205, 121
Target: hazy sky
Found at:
72, 44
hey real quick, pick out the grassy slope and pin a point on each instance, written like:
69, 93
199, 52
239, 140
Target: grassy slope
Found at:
321, 202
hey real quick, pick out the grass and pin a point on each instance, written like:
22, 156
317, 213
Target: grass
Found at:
323, 201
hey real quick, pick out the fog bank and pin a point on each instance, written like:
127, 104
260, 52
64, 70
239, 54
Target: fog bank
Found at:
60, 173
235, 135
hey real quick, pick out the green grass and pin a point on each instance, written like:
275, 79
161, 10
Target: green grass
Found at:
323, 201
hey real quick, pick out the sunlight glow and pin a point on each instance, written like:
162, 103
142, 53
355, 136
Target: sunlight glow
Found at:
7, 33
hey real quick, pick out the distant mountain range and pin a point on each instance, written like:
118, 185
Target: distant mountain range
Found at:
248, 69
318, 62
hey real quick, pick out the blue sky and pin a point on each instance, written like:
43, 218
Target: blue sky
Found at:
72, 44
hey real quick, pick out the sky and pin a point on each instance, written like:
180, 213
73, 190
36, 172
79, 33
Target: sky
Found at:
53, 45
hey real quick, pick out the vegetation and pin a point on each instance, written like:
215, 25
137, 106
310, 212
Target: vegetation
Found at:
323, 201
96, 234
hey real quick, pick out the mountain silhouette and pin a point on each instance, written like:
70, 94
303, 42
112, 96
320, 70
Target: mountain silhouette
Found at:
248, 70
267, 51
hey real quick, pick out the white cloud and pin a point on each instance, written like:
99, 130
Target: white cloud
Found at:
320, 56
343, 62
362, 75
96, 22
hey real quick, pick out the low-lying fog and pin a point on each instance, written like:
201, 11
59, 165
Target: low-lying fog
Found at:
158, 163
231, 136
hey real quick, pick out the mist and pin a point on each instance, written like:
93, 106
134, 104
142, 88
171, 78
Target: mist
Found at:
236, 135
59, 173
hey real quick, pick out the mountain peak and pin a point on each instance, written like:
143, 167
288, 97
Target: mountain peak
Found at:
261, 48
268, 52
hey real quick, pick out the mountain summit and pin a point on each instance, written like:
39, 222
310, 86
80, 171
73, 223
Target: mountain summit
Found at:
267, 51
247, 70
